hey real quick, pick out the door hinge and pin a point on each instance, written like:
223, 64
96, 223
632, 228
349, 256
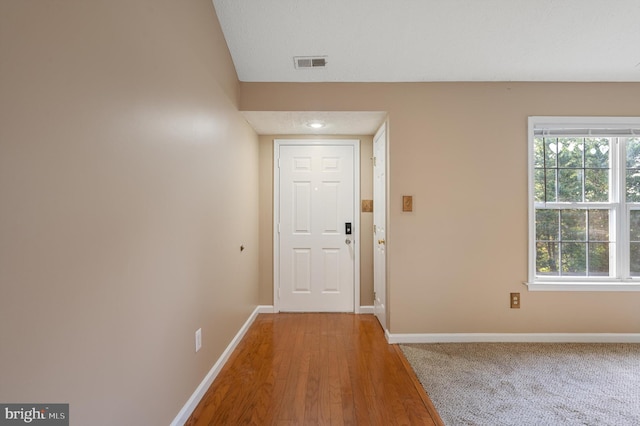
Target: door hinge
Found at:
278, 228
375, 161
374, 229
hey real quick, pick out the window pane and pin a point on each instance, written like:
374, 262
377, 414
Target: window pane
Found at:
599, 225
633, 170
547, 225
634, 246
583, 237
596, 153
538, 185
573, 225
547, 255
538, 152
633, 153
634, 225
569, 185
599, 259
596, 185
551, 150
633, 186
574, 259
570, 152
634, 261
551, 186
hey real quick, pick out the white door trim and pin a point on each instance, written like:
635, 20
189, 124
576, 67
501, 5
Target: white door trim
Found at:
355, 143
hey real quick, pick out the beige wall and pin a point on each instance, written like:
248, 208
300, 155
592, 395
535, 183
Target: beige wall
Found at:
128, 182
266, 215
461, 150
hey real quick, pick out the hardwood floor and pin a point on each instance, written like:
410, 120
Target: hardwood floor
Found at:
315, 369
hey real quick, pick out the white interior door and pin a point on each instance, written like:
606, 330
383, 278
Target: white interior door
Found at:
379, 225
316, 254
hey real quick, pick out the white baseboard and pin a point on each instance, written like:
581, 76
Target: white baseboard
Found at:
194, 400
266, 309
514, 337
366, 310
269, 309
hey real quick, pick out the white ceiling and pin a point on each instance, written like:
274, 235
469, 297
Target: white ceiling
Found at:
425, 40
434, 40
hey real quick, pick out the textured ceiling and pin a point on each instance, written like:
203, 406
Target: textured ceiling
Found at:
434, 40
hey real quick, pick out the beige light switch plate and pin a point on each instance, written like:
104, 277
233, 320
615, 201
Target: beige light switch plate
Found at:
367, 206
407, 203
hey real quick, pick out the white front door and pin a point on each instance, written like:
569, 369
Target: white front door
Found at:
379, 225
315, 252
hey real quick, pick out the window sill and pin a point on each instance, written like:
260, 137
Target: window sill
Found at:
582, 286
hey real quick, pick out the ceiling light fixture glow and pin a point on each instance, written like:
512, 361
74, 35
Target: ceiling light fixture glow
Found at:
315, 124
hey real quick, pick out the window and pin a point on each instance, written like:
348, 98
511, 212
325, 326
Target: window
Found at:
584, 203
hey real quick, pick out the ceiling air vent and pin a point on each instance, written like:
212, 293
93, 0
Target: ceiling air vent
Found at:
310, 61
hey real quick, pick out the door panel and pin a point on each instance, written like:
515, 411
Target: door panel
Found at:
379, 225
316, 260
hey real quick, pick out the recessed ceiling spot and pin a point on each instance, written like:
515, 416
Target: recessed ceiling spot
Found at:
306, 62
316, 124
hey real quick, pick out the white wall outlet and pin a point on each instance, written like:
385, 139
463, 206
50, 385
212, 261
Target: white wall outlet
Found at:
198, 339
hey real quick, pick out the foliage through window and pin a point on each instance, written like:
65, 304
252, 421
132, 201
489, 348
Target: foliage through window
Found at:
584, 200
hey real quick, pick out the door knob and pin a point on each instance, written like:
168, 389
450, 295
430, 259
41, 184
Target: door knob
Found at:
347, 241
381, 242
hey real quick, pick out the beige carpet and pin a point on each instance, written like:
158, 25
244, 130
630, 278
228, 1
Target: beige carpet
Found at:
523, 384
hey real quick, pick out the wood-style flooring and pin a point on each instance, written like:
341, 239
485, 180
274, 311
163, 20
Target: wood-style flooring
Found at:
315, 369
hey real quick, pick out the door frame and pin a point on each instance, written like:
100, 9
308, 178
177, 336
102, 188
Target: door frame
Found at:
355, 143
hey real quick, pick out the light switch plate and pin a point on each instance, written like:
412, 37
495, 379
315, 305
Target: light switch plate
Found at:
407, 203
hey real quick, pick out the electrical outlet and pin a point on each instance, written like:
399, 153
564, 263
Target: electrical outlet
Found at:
198, 339
515, 300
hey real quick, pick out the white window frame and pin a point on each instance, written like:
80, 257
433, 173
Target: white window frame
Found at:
618, 206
